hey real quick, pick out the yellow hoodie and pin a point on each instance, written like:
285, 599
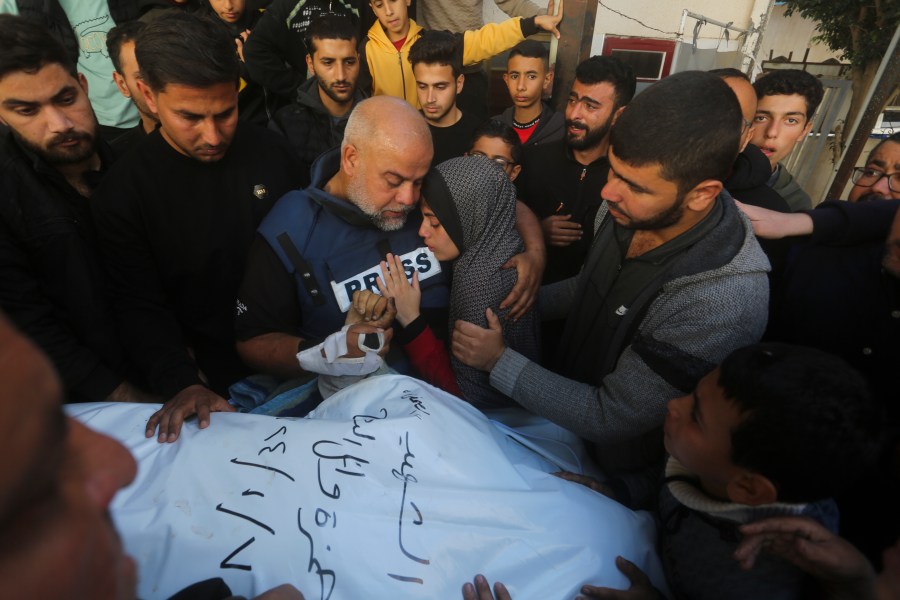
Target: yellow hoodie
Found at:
391, 71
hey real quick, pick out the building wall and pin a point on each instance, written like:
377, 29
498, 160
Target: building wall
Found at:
785, 35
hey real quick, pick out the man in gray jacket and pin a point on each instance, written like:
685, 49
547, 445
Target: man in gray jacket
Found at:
673, 282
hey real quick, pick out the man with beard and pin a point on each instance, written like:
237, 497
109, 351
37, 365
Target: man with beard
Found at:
561, 181
51, 281
879, 179
673, 283
175, 218
321, 244
315, 121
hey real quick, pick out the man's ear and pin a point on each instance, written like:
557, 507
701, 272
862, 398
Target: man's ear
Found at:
349, 159
806, 131
617, 113
120, 83
703, 195
309, 63
82, 81
460, 82
147, 93
751, 489
515, 172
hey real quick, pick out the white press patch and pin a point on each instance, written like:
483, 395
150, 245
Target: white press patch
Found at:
422, 260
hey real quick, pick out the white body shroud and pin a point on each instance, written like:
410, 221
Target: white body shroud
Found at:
390, 489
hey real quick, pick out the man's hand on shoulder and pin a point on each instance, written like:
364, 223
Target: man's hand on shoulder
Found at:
476, 346
192, 400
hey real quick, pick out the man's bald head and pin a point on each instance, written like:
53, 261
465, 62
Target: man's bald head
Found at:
385, 155
388, 122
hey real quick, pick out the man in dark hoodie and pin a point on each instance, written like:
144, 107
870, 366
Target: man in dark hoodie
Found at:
315, 121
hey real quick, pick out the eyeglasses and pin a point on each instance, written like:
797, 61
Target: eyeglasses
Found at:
504, 163
866, 177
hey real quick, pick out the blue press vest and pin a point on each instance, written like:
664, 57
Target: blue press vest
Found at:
329, 248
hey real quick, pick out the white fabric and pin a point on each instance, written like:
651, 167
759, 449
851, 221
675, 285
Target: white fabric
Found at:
390, 489
334, 347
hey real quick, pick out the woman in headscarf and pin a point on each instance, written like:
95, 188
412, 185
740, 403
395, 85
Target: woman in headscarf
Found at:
469, 213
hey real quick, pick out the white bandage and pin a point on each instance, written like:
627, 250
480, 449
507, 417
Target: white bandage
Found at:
334, 347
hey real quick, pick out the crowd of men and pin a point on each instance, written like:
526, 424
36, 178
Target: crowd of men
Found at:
197, 199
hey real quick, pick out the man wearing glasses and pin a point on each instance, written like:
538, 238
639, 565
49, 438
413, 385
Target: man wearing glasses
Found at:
880, 178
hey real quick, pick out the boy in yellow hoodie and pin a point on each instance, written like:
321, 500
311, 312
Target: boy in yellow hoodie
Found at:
385, 52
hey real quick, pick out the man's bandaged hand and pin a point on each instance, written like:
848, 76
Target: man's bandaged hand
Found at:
346, 353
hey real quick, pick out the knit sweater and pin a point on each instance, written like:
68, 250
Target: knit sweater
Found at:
714, 300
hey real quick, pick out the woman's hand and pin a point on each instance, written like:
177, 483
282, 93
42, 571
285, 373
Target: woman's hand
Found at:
393, 284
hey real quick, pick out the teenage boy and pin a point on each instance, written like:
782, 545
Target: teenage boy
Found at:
775, 430
175, 217
439, 79
386, 68
316, 120
787, 101
498, 141
527, 75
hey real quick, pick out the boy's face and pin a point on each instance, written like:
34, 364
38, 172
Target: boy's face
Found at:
437, 88
498, 151
525, 77
698, 430
781, 121
392, 14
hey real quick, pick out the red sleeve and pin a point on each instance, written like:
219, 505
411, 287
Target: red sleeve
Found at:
429, 356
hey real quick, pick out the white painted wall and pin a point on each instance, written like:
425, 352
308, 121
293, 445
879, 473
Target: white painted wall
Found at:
792, 34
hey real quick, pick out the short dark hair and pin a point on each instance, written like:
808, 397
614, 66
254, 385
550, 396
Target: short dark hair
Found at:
495, 128
808, 422
122, 34
791, 81
608, 69
532, 49
894, 137
437, 47
330, 27
689, 123
187, 49
730, 73
26, 45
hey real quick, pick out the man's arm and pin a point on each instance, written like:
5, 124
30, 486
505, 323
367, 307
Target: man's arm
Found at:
833, 222
270, 47
529, 264
494, 38
680, 339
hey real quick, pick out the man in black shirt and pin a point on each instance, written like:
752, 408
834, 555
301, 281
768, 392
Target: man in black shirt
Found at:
175, 218
561, 181
51, 281
437, 65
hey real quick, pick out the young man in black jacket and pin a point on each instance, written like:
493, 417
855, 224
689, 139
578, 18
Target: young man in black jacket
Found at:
51, 281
